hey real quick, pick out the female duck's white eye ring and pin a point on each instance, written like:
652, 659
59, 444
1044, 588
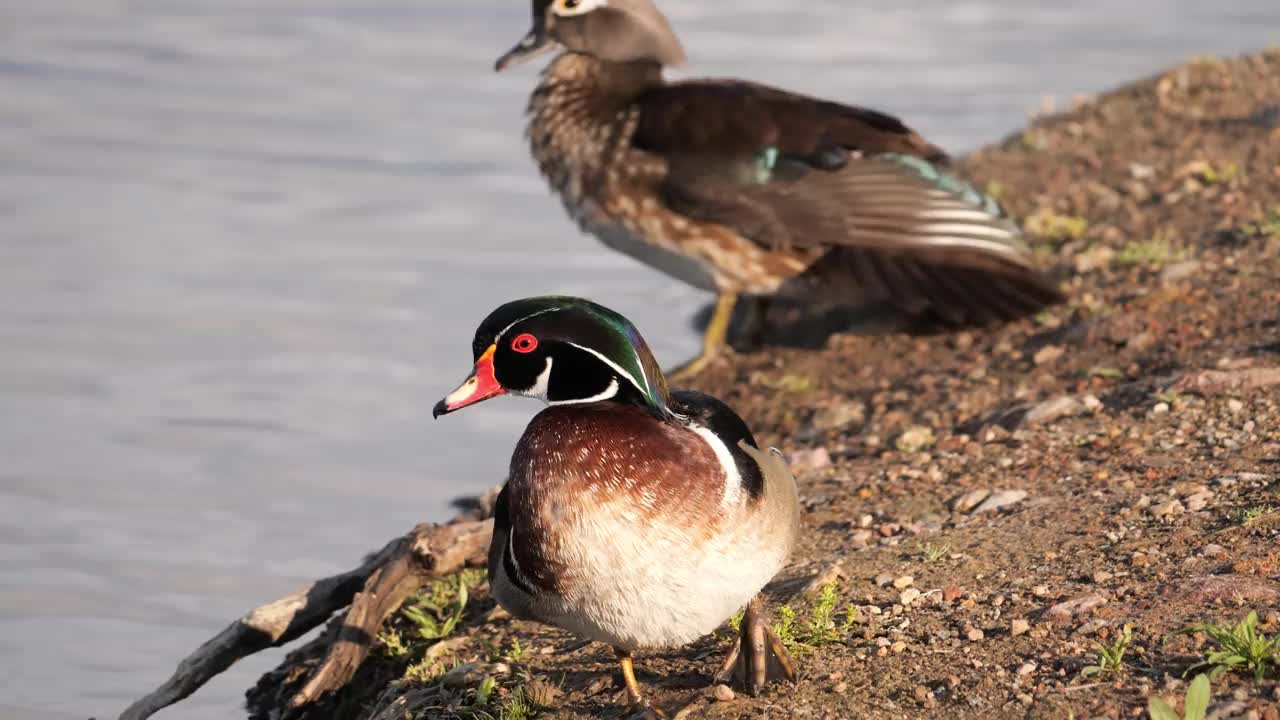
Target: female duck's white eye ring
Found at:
576, 7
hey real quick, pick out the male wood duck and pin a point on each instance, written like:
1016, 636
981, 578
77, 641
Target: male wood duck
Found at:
748, 190
633, 514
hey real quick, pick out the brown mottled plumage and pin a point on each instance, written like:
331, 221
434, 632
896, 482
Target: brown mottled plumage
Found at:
745, 189
574, 460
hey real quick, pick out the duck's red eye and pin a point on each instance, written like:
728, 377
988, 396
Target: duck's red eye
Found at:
525, 343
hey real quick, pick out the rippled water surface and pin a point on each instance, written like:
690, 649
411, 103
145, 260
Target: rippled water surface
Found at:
244, 243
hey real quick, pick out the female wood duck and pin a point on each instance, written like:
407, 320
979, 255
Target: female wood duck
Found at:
749, 190
634, 514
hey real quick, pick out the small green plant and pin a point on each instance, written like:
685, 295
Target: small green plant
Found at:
484, 692
1111, 657
852, 618
1211, 175
1032, 139
819, 628
1194, 707
735, 622
1250, 517
1240, 647
437, 611
796, 384
1106, 373
516, 653
933, 553
1047, 318
1268, 226
393, 644
785, 628
517, 706
1169, 396
425, 671
1048, 224
1157, 251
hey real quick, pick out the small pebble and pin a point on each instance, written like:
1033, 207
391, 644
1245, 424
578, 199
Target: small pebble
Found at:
898, 646
1180, 271
1002, 499
1048, 354
1040, 591
1214, 550
1235, 406
840, 688
1019, 627
909, 596
1026, 668
1064, 611
723, 693
1168, 509
1199, 501
970, 500
951, 593
1101, 576
812, 460
974, 634
1054, 409
921, 692
905, 581
1161, 408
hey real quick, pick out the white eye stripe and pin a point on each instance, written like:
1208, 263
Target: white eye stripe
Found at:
644, 389
563, 9
497, 338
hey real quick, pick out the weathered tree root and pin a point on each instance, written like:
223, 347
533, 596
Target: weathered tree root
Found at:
374, 591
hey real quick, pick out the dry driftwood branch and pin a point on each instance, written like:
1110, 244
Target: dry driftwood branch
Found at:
374, 590
428, 555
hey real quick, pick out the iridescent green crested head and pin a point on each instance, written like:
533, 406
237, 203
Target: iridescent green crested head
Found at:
566, 350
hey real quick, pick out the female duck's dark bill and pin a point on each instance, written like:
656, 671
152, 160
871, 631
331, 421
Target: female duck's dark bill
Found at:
535, 43
480, 385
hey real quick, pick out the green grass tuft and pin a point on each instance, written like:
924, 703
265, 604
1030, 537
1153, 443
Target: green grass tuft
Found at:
1240, 647
517, 706
1048, 224
933, 553
1250, 517
1111, 657
820, 627
1160, 250
393, 644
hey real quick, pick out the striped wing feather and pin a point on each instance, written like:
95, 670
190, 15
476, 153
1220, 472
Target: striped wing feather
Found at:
850, 186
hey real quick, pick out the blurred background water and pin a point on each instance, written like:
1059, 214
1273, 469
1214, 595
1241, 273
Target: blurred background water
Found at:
244, 243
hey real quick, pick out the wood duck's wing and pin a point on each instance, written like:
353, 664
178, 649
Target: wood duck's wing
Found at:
856, 186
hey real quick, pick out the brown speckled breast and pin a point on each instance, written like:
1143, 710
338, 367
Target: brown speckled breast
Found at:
600, 461
581, 125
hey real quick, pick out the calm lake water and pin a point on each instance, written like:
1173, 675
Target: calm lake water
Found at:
244, 243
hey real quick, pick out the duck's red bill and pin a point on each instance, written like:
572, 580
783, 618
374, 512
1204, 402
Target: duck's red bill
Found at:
479, 386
